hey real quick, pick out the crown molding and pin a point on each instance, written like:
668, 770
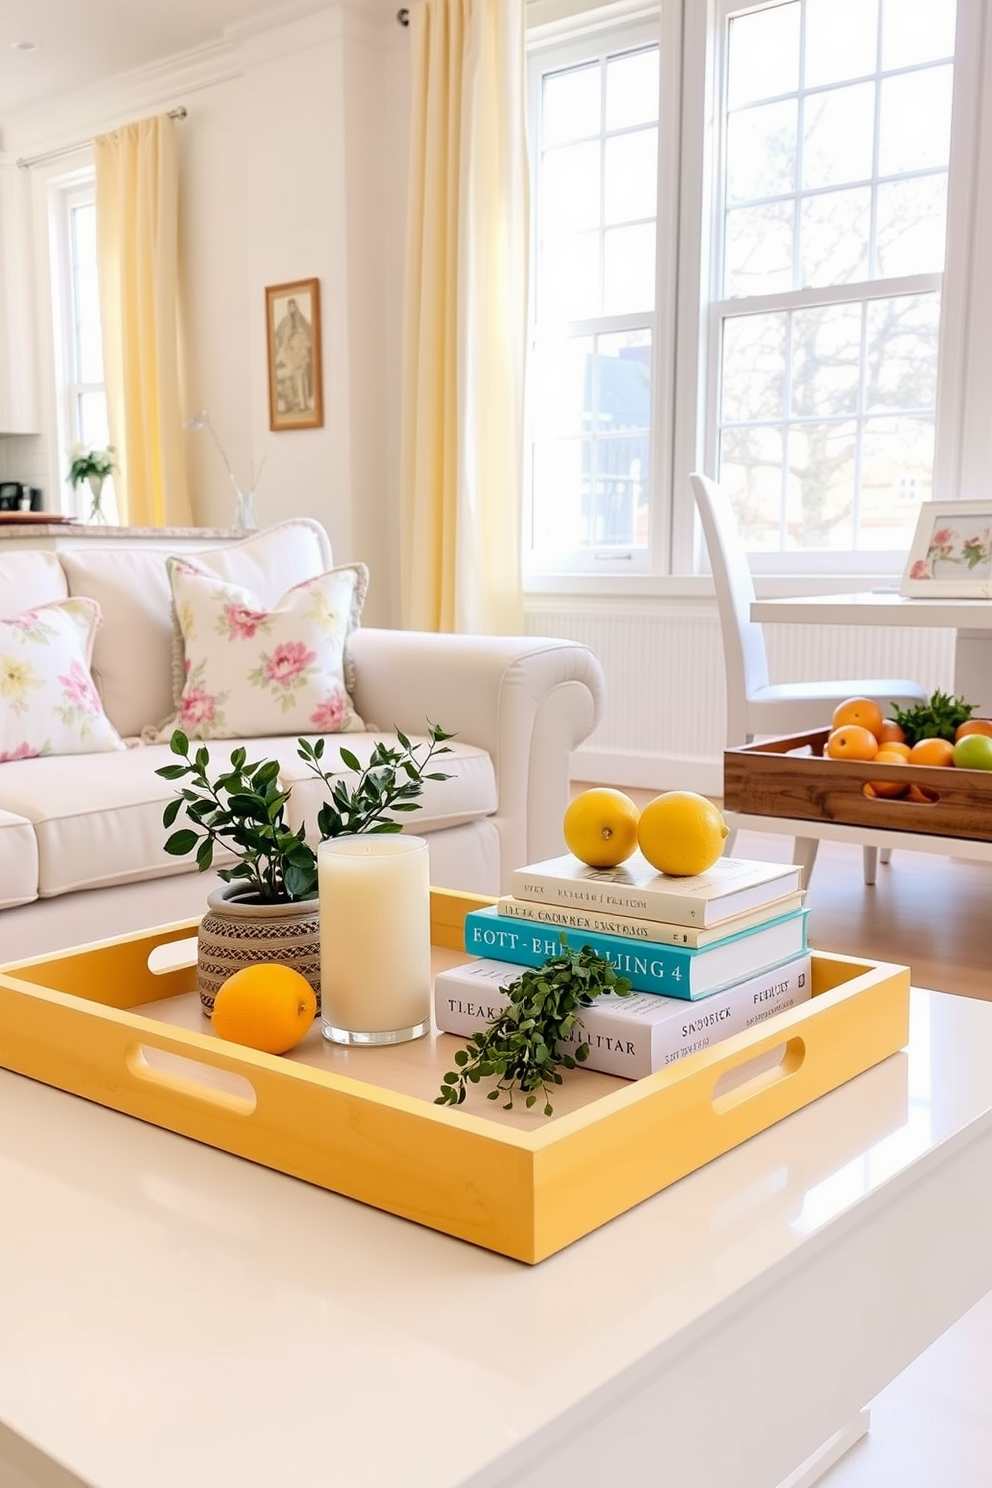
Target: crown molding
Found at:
164, 84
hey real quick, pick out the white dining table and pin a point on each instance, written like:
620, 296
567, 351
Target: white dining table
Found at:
170, 1314
970, 619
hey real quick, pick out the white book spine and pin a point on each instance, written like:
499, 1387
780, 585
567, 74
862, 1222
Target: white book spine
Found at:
639, 929
628, 1036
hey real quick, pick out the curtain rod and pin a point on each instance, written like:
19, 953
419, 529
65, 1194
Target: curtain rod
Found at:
25, 161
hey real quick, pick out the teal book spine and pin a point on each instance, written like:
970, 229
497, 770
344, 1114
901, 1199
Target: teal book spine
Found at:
672, 971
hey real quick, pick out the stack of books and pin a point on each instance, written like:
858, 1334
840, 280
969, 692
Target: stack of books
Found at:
732, 939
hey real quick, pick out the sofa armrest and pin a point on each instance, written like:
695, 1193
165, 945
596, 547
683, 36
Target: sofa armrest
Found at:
527, 700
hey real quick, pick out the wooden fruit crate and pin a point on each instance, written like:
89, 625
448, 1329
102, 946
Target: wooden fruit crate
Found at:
790, 777
119, 1022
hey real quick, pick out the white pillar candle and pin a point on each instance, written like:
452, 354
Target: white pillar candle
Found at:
375, 938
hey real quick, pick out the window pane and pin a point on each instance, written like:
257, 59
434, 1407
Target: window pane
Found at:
753, 373
632, 83
820, 487
568, 278
826, 360
632, 176
841, 40
896, 475
764, 54
917, 31
570, 187
628, 269
92, 414
751, 473
571, 104
915, 128
761, 151
561, 507
835, 233
83, 229
561, 383
901, 338
759, 249
838, 129
912, 224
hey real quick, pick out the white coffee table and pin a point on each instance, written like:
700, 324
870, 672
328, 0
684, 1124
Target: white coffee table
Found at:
173, 1315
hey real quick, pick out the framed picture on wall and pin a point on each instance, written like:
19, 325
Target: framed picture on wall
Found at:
296, 394
951, 555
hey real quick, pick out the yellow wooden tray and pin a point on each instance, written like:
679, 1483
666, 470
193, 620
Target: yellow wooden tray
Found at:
103, 1023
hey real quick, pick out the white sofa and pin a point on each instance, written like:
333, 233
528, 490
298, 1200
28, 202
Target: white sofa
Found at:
81, 835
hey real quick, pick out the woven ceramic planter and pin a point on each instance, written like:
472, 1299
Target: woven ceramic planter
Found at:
237, 932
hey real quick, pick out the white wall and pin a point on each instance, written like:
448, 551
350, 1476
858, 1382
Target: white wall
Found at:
292, 162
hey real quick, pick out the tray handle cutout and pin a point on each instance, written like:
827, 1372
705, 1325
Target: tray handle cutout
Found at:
172, 955
754, 1076
192, 1078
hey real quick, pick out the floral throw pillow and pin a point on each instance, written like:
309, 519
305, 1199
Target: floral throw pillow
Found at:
250, 671
48, 703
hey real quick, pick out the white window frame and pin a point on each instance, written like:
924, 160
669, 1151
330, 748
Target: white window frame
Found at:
685, 373
548, 51
65, 194
716, 309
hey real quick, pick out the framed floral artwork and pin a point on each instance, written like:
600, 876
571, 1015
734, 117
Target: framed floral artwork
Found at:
296, 397
951, 555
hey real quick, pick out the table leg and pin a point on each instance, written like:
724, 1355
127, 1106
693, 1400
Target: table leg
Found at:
836, 1446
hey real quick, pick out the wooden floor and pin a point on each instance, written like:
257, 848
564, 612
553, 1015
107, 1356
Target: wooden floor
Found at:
932, 1427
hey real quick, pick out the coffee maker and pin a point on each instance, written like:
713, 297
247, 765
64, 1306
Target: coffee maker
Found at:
17, 496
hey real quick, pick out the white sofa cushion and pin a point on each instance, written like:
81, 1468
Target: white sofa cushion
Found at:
48, 703
28, 579
18, 863
98, 818
254, 669
468, 794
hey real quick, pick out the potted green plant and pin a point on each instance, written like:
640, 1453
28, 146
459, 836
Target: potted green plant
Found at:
267, 908
92, 465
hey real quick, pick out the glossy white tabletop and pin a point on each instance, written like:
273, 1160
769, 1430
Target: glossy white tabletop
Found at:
173, 1316
875, 607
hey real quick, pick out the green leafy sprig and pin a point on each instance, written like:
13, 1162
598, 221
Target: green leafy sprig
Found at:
243, 810
935, 719
525, 1044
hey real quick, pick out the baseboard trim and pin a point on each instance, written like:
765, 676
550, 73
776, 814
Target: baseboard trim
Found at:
659, 772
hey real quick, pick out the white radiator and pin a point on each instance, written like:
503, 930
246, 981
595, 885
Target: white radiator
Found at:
664, 724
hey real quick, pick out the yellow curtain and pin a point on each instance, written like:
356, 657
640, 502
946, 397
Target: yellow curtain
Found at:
465, 327
137, 213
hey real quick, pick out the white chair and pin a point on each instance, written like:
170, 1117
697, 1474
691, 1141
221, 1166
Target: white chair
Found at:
755, 705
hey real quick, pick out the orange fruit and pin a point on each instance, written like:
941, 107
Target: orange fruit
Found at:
600, 826
891, 733
851, 741
932, 752
267, 1006
894, 753
973, 726
681, 833
876, 789
922, 795
861, 712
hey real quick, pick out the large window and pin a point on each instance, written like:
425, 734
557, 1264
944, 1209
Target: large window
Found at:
82, 400
594, 356
738, 263
833, 194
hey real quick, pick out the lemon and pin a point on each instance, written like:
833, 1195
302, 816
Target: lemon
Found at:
681, 833
267, 1006
600, 826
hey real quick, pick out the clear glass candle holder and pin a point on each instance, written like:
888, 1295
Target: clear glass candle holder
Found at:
375, 938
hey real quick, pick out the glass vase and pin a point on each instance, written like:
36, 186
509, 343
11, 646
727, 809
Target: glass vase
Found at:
244, 513
97, 514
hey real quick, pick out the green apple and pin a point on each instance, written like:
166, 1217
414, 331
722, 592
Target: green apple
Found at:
973, 752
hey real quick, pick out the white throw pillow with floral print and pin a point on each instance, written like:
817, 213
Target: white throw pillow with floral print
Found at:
48, 703
250, 671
